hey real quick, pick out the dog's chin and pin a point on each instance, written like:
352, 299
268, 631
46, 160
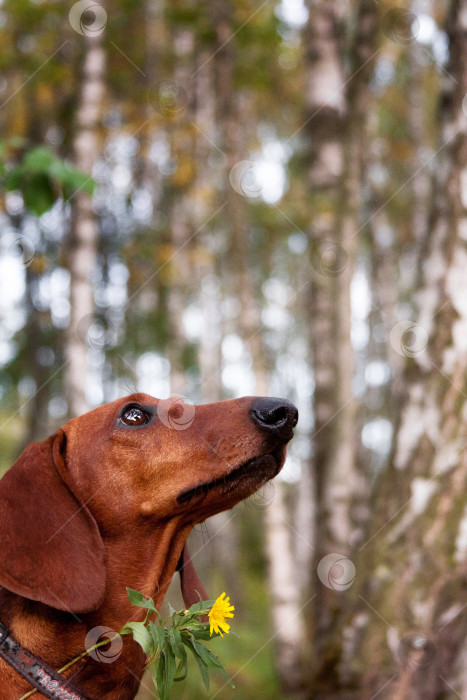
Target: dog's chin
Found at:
237, 484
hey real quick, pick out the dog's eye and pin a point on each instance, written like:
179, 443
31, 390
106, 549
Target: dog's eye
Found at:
134, 415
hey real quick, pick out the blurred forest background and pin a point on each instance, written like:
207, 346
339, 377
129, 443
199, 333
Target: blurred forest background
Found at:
217, 199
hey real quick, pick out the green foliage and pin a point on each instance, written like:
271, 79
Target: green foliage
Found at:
166, 643
197, 45
249, 655
42, 177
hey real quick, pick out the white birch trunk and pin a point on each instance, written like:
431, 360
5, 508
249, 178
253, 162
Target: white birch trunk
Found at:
83, 239
337, 107
412, 645
282, 581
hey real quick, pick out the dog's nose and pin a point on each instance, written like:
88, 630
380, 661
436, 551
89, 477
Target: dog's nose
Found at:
277, 416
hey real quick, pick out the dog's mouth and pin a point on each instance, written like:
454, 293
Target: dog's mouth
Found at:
241, 482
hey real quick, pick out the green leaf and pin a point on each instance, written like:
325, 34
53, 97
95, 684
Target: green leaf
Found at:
158, 674
138, 599
38, 194
190, 643
158, 635
42, 176
182, 620
212, 660
203, 653
205, 658
202, 605
70, 179
175, 641
140, 635
172, 610
13, 179
170, 669
38, 160
204, 633
60, 170
77, 182
164, 673
182, 665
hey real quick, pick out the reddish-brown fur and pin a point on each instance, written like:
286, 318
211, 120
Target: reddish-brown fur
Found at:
94, 509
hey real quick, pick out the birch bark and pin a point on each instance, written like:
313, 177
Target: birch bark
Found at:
337, 109
244, 280
409, 618
82, 243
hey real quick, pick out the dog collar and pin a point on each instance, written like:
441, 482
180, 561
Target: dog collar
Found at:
33, 669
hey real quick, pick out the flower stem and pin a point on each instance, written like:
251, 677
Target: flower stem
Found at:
74, 661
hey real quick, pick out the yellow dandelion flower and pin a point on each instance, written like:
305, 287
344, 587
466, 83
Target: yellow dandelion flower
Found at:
219, 611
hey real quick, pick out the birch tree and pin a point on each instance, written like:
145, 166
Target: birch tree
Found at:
240, 271
410, 619
82, 240
337, 99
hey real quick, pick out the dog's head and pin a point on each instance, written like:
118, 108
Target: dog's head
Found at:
141, 457
128, 464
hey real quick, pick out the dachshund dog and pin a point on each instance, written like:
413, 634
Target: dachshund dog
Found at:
108, 502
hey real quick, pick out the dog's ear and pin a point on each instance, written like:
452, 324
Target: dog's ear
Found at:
50, 546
